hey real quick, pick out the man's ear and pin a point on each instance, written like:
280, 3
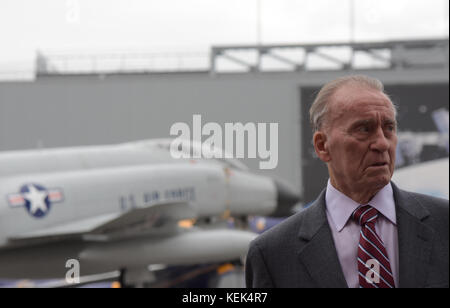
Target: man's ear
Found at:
320, 142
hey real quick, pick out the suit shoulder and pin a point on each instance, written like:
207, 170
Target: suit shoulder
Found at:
433, 204
436, 210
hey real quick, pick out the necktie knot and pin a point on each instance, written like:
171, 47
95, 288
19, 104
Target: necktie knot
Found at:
365, 214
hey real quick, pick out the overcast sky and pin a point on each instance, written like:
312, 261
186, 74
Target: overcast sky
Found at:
195, 25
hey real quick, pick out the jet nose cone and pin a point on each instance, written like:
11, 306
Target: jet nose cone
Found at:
287, 197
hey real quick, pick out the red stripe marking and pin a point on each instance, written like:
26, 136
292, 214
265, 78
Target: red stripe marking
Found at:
54, 195
16, 200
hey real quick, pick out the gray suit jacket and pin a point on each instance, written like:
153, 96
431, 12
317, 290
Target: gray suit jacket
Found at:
300, 251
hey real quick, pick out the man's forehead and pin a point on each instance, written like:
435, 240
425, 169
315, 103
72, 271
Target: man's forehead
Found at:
363, 99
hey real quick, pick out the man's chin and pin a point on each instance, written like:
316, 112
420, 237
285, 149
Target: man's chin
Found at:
380, 181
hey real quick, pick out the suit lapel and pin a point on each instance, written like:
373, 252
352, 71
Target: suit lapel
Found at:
414, 240
319, 253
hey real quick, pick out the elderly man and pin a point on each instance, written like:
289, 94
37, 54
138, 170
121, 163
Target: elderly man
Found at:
362, 231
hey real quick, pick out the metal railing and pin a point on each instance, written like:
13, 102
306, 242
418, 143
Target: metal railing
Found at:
335, 56
51, 63
392, 55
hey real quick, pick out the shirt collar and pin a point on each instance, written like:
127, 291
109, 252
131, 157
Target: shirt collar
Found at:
341, 207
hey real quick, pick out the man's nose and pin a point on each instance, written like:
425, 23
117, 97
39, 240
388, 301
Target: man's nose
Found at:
380, 142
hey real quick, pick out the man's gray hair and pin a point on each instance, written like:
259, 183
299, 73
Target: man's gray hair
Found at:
319, 108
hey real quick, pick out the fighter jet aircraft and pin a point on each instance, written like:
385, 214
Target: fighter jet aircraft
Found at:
120, 206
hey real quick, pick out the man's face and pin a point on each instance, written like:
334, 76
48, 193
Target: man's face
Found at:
361, 139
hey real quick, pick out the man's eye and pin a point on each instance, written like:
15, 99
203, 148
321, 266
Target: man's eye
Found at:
363, 129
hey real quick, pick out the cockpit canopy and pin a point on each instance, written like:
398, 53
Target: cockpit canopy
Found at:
196, 150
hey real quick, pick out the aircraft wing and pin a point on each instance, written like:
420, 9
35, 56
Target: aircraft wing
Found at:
156, 219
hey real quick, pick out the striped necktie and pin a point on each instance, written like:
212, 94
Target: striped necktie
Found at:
373, 262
